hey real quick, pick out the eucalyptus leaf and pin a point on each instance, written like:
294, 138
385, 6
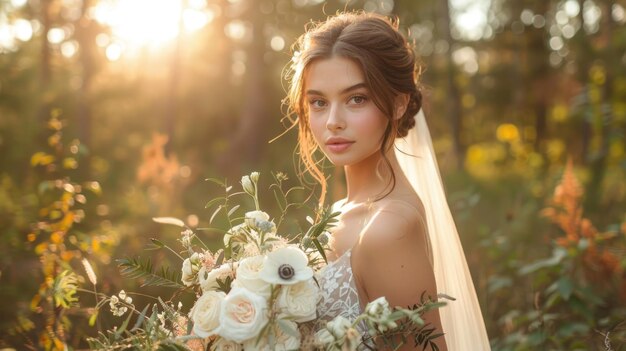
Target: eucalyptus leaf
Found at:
232, 210
219, 208
214, 201
216, 181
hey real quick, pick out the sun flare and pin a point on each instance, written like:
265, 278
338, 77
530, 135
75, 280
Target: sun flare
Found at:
152, 23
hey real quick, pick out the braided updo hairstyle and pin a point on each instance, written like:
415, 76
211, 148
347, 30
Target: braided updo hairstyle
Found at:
388, 63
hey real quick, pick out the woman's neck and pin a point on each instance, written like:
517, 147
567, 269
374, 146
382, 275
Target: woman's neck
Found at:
371, 178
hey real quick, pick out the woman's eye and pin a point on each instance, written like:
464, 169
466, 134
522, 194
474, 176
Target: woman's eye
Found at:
317, 103
358, 99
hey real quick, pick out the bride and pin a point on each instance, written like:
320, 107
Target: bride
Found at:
355, 95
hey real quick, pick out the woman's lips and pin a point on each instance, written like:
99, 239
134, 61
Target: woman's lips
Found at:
339, 146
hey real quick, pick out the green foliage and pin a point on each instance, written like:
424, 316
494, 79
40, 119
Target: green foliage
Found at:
148, 333
64, 289
577, 291
137, 268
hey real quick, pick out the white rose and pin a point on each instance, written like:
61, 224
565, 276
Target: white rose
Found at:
208, 279
283, 340
243, 315
206, 313
226, 345
299, 301
190, 269
286, 266
248, 276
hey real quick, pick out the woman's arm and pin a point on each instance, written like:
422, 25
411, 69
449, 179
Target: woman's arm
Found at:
391, 260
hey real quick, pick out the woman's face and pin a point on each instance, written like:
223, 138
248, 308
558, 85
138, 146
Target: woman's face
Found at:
344, 120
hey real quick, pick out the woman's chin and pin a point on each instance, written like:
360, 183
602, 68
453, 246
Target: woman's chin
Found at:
337, 160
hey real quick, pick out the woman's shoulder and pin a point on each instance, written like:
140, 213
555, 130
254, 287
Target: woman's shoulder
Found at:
392, 258
408, 206
399, 213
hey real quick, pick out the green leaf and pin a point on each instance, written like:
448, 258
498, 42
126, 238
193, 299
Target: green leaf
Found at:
216, 181
214, 201
141, 318
565, 287
215, 213
136, 268
220, 259
156, 244
499, 282
320, 249
122, 328
572, 328
232, 210
555, 260
294, 188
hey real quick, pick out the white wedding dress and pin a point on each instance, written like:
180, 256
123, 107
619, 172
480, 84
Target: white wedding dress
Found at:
338, 292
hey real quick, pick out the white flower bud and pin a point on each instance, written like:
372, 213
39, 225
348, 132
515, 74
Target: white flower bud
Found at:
247, 185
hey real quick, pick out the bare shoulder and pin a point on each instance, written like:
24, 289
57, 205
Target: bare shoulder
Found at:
395, 221
392, 256
397, 230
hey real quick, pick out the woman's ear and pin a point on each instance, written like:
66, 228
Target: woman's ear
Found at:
401, 104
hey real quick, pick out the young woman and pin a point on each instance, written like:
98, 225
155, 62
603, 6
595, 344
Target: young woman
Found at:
354, 93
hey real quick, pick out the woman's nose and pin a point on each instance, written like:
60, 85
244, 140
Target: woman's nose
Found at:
335, 119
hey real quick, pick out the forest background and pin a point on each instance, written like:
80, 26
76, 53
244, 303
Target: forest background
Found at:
116, 111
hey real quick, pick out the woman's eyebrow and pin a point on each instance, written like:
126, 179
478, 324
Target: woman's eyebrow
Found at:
346, 90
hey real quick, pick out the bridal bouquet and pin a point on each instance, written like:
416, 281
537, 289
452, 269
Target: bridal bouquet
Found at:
255, 293
251, 294
255, 298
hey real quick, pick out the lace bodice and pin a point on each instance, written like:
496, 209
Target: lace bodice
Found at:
339, 296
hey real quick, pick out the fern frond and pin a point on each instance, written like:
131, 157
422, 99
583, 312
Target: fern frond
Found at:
135, 268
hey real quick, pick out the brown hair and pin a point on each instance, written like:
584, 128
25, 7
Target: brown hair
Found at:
388, 63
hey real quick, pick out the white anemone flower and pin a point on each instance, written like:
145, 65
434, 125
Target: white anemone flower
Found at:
286, 266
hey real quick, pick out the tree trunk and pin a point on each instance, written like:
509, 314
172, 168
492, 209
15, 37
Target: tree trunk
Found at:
584, 52
454, 110
45, 66
251, 136
540, 73
605, 113
86, 37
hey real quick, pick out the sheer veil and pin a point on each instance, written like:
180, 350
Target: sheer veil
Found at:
461, 319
